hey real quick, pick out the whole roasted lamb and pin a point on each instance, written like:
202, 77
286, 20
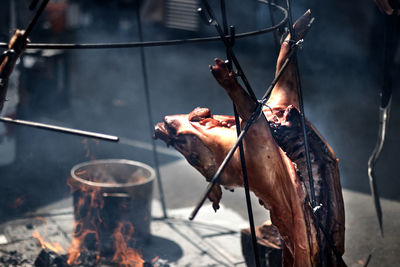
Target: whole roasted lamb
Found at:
275, 161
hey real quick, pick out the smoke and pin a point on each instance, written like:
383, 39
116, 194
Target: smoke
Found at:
104, 92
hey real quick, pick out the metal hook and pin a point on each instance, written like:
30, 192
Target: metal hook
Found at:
264, 103
231, 41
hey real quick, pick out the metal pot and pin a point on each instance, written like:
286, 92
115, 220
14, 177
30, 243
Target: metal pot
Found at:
124, 188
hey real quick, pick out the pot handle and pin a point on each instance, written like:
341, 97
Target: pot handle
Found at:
119, 195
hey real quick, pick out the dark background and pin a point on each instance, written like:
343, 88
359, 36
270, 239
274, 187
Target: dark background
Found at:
102, 90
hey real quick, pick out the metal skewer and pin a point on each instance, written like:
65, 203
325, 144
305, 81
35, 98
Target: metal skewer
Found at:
66, 130
390, 42
36, 17
242, 134
241, 150
215, 179
306, 144
213, 21
150, 113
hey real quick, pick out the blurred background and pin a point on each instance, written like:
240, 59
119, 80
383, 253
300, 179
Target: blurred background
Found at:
103, 91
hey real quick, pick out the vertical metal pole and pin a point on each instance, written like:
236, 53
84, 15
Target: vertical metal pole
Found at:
306, 144
149, 112
241, 151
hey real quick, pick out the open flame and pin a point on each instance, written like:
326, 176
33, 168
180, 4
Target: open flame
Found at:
124, 255
53, 246
88, 222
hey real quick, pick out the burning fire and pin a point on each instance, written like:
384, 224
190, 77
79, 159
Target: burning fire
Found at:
53, 246
88, 222
124, 255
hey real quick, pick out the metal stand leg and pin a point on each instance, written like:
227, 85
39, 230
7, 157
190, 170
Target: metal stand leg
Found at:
150, 116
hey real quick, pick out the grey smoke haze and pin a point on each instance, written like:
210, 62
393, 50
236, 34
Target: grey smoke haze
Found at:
340, 74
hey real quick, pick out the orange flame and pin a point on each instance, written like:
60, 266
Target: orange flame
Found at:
53, 246
87, 224
124, 255
88, 221
76, 247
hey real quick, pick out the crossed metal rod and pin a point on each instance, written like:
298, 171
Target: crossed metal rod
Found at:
258, 112
238, 130
306, 144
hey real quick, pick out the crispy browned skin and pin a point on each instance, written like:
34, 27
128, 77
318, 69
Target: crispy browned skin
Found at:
285, 122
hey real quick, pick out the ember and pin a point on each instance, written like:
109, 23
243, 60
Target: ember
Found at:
89, 258
13, 258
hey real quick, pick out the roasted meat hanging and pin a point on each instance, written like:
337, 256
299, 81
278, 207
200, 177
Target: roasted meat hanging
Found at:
275, 160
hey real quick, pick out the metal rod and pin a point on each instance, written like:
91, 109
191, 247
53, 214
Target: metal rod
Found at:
33, 4
155, 43
330, 243
278, 76
224, 18
213, 21
54, 128
306, 144
247, 192
35, 18
241, 151
242, 134
228, 157
149, 111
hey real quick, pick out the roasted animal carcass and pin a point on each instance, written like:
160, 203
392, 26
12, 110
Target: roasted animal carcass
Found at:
275, 160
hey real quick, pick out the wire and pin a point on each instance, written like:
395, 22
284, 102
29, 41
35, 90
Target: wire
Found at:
306, 144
